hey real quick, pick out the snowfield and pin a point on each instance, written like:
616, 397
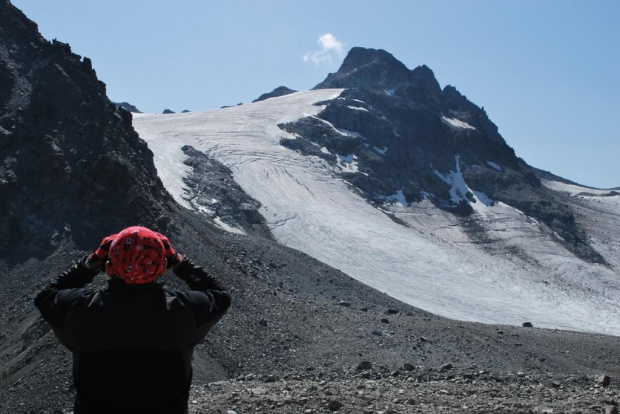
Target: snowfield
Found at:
573, 189
520, 274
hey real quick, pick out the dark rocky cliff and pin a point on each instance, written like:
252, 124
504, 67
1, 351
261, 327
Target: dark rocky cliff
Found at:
405, 134
71, 165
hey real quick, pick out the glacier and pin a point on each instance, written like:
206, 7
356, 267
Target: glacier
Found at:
425, 258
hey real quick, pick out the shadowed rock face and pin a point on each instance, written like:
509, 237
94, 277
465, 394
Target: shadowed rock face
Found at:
406, 134
374, 68
71, 165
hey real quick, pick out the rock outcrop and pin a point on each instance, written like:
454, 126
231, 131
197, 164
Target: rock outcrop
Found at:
128, 106
279, 91
212, 191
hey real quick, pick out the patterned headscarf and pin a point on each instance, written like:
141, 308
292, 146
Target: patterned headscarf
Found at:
136, 254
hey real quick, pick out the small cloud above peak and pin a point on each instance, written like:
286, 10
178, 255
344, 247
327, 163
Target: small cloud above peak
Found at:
330, 46
329, 42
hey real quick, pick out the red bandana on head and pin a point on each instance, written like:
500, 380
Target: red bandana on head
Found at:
137, 255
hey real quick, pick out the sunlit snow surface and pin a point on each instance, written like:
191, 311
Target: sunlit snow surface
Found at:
521, 274
572, 189
456, 123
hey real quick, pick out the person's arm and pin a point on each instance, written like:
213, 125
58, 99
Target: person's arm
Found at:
208, 297
55, 299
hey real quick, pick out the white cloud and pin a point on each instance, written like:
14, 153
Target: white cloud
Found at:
330, 46
329, 42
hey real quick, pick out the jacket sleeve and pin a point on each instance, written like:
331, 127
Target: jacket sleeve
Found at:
57, 297
208, 298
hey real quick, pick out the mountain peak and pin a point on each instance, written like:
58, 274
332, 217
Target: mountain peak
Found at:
372, 68
425, 73
359, 57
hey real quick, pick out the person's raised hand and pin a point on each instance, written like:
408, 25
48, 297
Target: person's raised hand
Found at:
96, 260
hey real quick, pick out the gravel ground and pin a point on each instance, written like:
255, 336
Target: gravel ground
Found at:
416, 391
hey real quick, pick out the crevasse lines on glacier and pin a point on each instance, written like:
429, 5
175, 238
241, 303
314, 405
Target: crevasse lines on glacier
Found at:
428, 263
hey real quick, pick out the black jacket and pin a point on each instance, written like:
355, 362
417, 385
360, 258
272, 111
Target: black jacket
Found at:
132, 344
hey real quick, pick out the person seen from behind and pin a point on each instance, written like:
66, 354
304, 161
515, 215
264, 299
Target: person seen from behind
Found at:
132, 343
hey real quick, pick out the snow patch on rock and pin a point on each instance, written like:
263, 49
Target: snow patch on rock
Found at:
460, 191
494, 166
456, 123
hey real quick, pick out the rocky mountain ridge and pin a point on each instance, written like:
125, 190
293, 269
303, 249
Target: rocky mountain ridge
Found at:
71, 164
398, 134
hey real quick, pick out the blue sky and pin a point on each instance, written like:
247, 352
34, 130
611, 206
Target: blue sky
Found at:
546, 71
